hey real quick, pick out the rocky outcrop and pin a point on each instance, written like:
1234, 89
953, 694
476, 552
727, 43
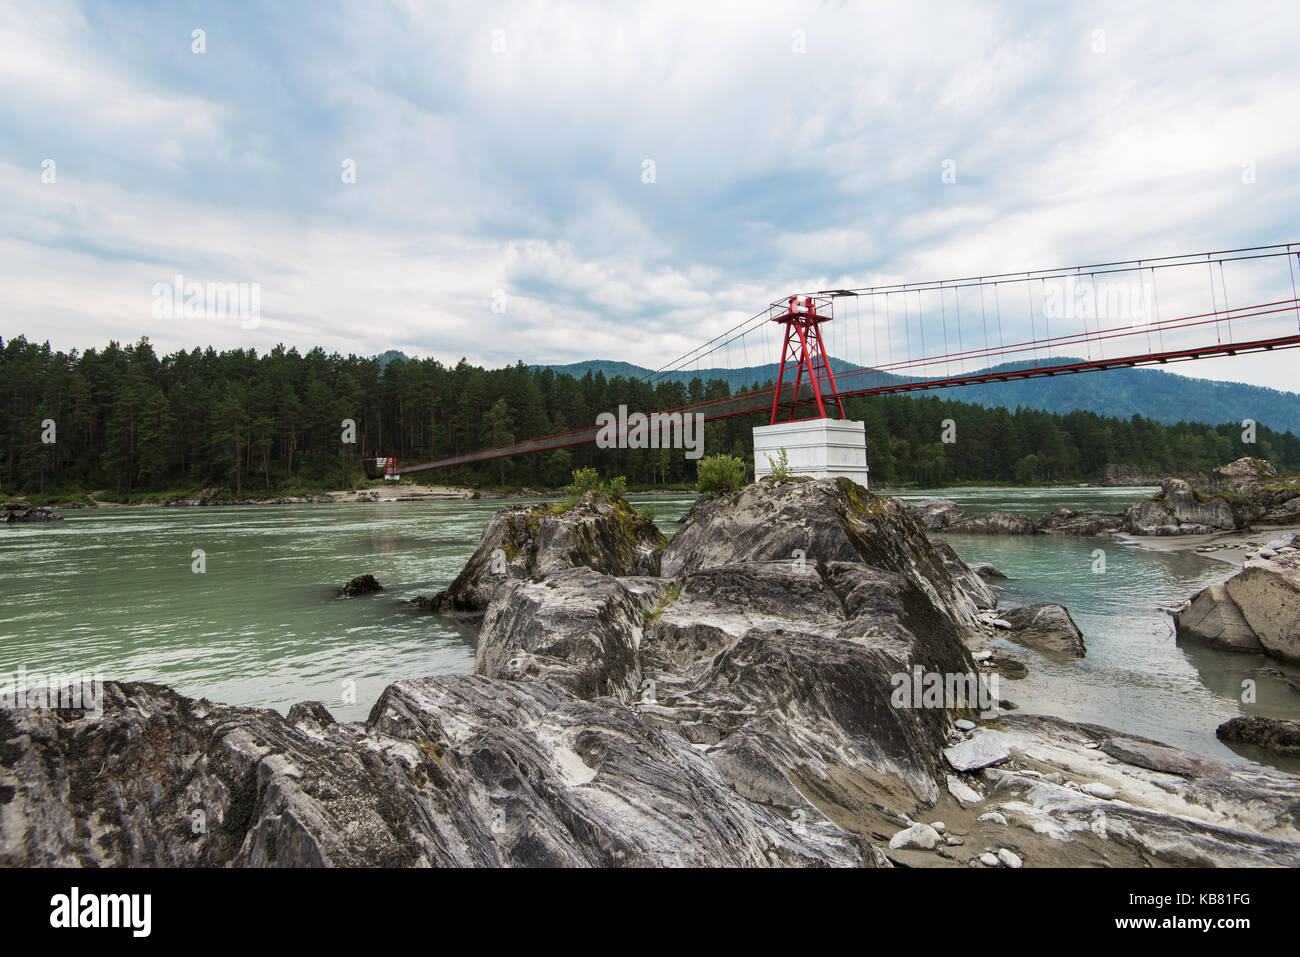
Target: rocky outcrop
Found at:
1047, 628
1213, 617
758, 703
1244, 476
451, 771
1267, 591
1271, 733
940, 514
1256, 610
533, 541
578, 628
210, 497
1179, 509
1068, 796
1243, 494
361, 585
1080, 521
935, 514
993, 523
1117, 474
988, 572
811, 524
974, 583
20, 513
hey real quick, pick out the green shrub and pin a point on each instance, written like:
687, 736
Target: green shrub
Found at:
780, 466
721, 475
588, 480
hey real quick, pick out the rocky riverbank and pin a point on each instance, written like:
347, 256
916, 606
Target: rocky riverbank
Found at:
14, 513
798, 678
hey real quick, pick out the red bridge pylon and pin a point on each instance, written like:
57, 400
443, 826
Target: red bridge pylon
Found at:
803, 333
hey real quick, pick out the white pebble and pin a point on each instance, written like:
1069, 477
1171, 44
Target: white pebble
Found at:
1009, 859
920, 836
988, 860
1099, 790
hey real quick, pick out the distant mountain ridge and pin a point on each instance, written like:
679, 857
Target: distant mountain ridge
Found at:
1151, 393
1122, 393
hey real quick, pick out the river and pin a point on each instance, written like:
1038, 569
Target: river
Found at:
114, 591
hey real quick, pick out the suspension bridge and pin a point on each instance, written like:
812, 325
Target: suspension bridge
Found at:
910, 337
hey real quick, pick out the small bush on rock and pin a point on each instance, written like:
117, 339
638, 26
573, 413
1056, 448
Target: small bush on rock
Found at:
721, 475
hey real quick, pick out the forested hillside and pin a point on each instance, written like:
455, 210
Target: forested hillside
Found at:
128, 421
1152, 393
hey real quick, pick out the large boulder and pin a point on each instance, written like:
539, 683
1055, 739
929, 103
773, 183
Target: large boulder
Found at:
1267, 591
361, 585
1245, 475
14, 513
1046, 627
811, 524
1080, 521
1274, 734
934, 514
994, 523
1213, 617
988, 571
577, 627
532, 541
1179, 509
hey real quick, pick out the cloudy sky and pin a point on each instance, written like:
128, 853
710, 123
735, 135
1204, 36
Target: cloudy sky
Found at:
500, 155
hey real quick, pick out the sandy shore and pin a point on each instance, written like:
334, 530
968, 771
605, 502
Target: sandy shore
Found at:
1231, 547
401, 492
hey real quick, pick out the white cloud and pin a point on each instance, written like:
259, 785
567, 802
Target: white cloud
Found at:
521, 170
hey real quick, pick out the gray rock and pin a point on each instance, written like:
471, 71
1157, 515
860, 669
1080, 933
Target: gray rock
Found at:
962, 791
962, 724
14, 513
978, 751
993, 523
1268, 595
989, 860
1098, 790
533, 541
449, 771
577, 627
1179, 509
1274, 734
918, 836
1245, 475
1083, 521
361, 585
988, 572
935, 514
981, 594
1047, 628
1161, 757
1009, 858
1213, 617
